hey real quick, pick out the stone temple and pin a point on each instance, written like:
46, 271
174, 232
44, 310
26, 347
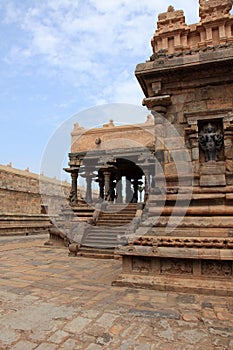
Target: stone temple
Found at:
179, 236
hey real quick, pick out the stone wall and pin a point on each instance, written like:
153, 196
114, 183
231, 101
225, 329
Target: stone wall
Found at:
23, 210
20, 192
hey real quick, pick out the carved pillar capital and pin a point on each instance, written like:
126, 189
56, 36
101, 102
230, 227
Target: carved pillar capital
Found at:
157, 104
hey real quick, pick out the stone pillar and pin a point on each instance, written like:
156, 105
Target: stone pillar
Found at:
177, 41
202, 37
228, 143
228, 147
147, 183
165, 43
73, 193
135, 191
158, 106
107, 175
129, 192
159, 177
101, 187
222, 33
89, 190
185, 41
209, 37
118, 188
228, 31
192, 133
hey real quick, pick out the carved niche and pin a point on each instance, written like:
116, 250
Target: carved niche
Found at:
211, 139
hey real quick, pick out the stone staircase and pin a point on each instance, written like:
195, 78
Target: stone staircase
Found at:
112, 223
82, 212
66, 218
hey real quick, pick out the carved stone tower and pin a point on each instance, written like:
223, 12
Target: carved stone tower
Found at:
187, 240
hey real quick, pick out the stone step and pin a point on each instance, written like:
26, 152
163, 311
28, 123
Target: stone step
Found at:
116, 219
84, 215
100, 253
120, 212
110, 224
101, 244
121, 208
103, 238
104, 241
104, 234
107, 230
117, 212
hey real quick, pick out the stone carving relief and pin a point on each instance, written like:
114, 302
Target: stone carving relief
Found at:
216, 268
176, 266
211, 141
141, 265
188, 242
73, 197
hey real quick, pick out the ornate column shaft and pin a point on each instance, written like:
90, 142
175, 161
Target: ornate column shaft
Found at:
147, 183
74, 188
228, 143
107, 175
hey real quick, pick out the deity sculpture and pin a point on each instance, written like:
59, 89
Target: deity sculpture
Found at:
211, 141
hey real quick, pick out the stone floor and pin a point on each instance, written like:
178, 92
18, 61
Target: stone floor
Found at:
49, 301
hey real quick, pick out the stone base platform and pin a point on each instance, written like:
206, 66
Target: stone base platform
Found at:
96, 253
201, 265
22, 224
177, 284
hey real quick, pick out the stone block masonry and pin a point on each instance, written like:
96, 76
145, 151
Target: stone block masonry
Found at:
22, 208
188, 88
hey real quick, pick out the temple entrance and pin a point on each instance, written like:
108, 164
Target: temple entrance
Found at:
117, 180
121, 182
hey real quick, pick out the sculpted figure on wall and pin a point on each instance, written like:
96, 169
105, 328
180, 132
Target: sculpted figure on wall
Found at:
211, 141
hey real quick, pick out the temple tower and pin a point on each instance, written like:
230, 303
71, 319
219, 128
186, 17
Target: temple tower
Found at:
186, 242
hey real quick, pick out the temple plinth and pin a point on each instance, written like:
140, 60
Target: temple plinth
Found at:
185, 243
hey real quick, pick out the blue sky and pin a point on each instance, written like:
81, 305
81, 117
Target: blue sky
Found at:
60, 57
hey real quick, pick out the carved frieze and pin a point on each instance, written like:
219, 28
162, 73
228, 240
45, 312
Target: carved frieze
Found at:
216, 268
188, 242
176, 266
141, 265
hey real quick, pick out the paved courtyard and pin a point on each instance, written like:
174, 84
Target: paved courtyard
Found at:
49, 301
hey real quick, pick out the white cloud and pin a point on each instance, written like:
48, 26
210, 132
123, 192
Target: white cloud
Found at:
87, 43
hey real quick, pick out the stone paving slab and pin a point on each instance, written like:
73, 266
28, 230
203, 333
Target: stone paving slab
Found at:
49, 301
